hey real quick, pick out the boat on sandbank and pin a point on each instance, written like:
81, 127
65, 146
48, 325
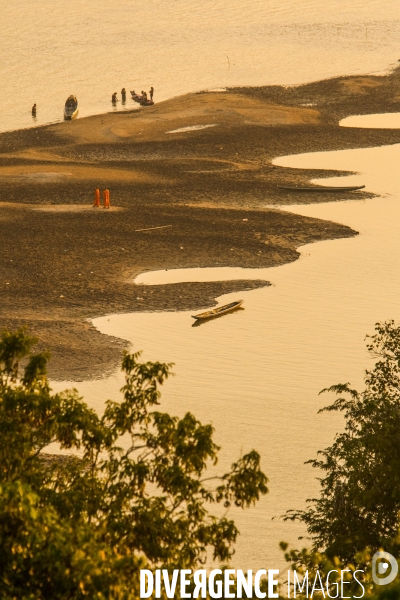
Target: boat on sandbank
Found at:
321, 188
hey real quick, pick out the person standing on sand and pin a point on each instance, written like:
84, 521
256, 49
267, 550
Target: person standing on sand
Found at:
114, 98
34, 110
151, 93
106, 196
96, 198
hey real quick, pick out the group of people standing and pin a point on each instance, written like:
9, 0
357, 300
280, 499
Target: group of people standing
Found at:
143, 97
106, 198
114, 97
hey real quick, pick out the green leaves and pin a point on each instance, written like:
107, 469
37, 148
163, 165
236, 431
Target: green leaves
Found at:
359, 505
45, 557
131, 491
13, 348
244, 484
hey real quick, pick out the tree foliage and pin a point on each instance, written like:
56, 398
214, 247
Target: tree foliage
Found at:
359, 504
130, 493
340, 579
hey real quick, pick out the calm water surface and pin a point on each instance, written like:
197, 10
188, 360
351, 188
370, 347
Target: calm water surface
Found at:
379, 121
256, 374
91, 48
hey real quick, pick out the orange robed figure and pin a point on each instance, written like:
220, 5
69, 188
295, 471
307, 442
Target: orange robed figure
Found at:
97, 197
106, 196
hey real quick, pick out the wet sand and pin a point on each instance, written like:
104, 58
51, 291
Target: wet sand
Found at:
216, 189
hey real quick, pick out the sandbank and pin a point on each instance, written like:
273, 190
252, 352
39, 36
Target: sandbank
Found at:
64, 262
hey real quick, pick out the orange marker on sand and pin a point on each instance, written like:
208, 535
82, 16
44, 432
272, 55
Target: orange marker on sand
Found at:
97, 198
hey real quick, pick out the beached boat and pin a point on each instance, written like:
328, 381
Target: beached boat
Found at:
320, 188
218, 312
71, 108
136, 97
140, 100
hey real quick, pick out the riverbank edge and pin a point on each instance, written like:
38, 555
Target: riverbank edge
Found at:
245, 192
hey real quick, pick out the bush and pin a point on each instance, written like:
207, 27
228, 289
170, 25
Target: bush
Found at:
130, 494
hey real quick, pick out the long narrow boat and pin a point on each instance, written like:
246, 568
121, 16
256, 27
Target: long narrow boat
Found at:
71, 108
320, 188
218, 312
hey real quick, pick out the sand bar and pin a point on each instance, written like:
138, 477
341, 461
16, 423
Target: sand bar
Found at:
216, 189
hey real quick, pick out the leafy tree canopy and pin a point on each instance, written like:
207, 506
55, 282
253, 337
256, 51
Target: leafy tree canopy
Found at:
359, 504
131, 492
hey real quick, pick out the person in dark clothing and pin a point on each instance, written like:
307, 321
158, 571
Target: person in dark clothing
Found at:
34, 110
114, 98
151, 93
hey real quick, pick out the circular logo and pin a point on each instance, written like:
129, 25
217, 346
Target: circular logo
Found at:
382, 567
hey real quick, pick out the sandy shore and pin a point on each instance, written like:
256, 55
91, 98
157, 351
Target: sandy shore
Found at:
65, 262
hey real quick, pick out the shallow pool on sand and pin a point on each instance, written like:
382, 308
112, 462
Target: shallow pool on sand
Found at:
378, 121
255, 374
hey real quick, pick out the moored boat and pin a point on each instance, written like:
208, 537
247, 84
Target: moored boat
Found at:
142, 100
135, 96
321, 188
71, 108
219, 311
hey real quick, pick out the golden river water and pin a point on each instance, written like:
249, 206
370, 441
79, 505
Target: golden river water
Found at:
255, 374
92, 48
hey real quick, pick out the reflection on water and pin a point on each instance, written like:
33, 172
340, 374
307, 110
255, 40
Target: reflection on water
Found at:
200, 322
256, 375
378, 121
92, 49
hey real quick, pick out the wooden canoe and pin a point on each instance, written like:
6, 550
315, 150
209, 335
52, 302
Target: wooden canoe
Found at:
320, 188
219, 311
71, 108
